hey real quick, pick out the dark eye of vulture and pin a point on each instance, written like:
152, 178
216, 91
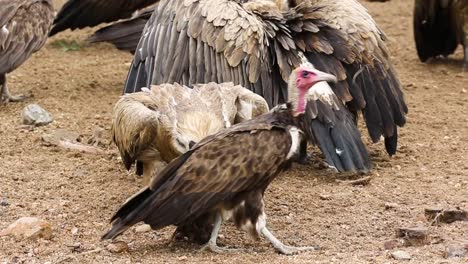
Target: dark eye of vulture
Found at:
24, 25
227, 173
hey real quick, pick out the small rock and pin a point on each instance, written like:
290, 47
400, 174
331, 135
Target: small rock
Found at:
456, 251
183, 258
29, 227
448, 216
117, 247
394, 243
33, 114
74, 231
401, 255
4, 202
390, 205
143, 228
54, 138
414, 236
463, 90
325, 197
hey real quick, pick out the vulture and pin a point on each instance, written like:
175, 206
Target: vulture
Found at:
78, 14
439, 27
225, 175
257, 43
159, 124
124, 34
24, 25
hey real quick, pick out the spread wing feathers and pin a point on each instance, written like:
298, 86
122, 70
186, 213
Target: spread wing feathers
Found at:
205, 176
23, 30
435, 29
352, 48
88, 13
124, 34
210, 40
256, 45
330, 126
169, 114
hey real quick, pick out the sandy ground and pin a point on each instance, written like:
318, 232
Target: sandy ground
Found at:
79, 190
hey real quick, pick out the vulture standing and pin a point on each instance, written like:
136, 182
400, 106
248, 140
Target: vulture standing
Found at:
256, 44
24, 25
162, 123
439, 27
226, 174
78, 14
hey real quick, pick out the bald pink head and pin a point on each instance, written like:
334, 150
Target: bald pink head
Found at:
305, 77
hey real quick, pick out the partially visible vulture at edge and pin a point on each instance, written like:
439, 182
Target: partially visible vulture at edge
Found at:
78, 14
24, 25
439, 27
224, 176
159, 124
256, 43
124, 34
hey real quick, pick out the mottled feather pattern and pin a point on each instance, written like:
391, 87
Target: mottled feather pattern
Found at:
24, 26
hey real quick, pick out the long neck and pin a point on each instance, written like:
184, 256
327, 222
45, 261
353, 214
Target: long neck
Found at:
296, 96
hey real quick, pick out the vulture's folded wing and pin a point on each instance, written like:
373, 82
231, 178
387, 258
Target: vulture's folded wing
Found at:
23, 30
213, 171
88, 13
349, 45
124, 34
330, 126
434, 30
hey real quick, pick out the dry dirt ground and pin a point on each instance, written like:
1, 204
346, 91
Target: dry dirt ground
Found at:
79, 190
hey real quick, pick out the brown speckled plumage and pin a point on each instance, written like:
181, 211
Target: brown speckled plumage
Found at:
24, 25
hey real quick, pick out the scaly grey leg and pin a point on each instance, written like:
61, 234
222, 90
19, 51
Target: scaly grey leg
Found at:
5, 94
282, 248
211, 245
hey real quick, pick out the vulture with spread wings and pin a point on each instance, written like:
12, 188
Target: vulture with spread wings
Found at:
24, 25
156, 125
257, 43
439, 27
78, 14
225, 175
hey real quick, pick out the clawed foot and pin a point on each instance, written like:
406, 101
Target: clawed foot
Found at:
217, 249
290, 250
13, 98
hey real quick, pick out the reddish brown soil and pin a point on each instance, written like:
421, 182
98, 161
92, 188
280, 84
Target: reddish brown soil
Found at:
80, 190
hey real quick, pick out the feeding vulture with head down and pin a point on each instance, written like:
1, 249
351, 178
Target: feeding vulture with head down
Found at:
24, 25
439, 27
78, 14
225, 175
256, 44
159, 124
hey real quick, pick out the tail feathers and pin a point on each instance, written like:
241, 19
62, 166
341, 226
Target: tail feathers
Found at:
125, 218
391, 143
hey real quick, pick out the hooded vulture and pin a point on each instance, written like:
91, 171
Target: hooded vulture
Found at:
225, 175
256, 44
160, 124
78, 14
24, 25
439, 27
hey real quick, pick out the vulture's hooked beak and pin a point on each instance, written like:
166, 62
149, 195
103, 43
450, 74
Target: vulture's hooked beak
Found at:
323, 76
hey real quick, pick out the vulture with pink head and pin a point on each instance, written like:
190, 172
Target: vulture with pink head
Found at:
257, 43
225, 175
